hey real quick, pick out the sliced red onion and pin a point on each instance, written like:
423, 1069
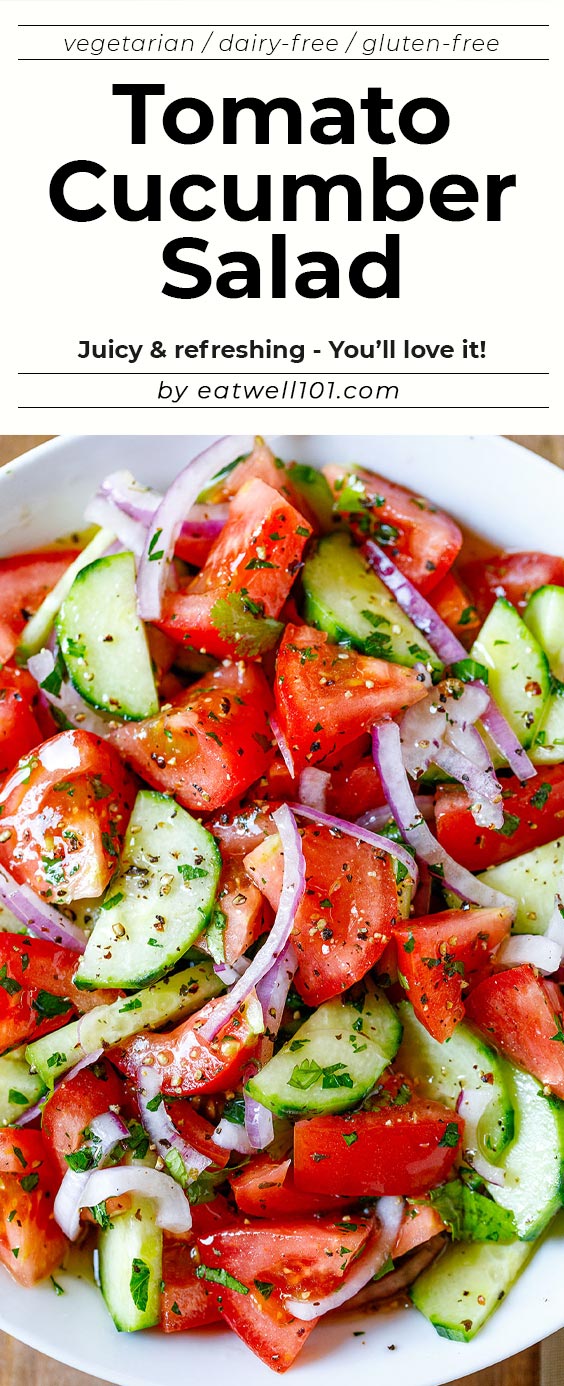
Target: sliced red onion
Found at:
231, 972
426, 724
445, 644
283, 746
67, 700
313, 786
387, 755
141, 502
293, 882
33, 1113
37, 915
230, 1135
167, 521
450, 650
131, 534
106, 1132
259, 1124
173, 1209
441, 730
377, 818
390, 1216
360, 834
161, 1129
555, 927
537, 949
471, 1106
85, 1062
482, 786
273, 988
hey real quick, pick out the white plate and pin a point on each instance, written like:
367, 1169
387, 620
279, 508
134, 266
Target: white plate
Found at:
514, 499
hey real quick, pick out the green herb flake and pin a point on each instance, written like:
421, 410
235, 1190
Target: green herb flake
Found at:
218, 1276
113, 900
101, 1216
468, 669
350, 1137
57, 1288
539, 799
139, 1283
29, 1182
409, 944
450, 1135
264, 1287
55, 1060
191, 873
49, 1006
19, 1099
467, 616
234, 1111
510, 824
8, 984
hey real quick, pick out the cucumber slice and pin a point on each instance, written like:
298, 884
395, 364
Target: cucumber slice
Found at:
103, 641
346, 598
460, 1290
332, 1061
38, 629
20, 1089
532, 880
463, 1061
175, 998
518, 672
549, 744
544, 615
534, 1163
310, 483
159, 901
131, 1259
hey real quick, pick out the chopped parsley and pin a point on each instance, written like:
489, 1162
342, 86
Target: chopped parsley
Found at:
7, 983
139, 1283
219, 1276
450, 1135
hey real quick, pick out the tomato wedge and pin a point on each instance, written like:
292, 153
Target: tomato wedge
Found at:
210, 744
511, 575
454, 607
438, 954
197, 1131
404, 1150
246, 577
422, 1221
533, 814
64, 815
31, 1243
326, 696
422, 540
241, 908
522, 1015
265, 1188
75, 1103
37, 994
187, 1065
270, 1260
24, 583
347, 911
187, 1302
19, 730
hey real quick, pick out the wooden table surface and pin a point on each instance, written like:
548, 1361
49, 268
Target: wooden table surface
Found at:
19, 1365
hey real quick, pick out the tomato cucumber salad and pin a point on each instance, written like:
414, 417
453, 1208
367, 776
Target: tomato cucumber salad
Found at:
282, 882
